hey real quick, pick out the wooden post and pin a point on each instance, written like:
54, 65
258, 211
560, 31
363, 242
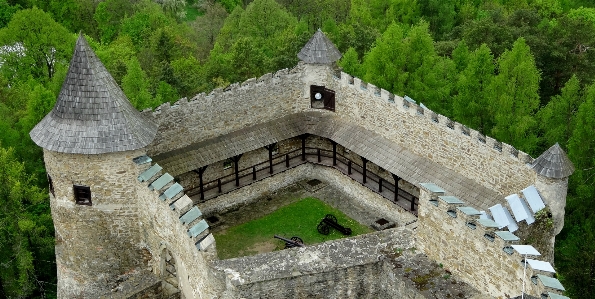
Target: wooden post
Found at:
379, 184
334, 153
318, 153
303, 137
219, 185
364, 161
412, 204
270, 149
200, 172
349, 167
236, 162
254, 173
287, 160
397, 179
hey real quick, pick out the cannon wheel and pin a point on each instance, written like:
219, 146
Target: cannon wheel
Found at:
331, 217
323, 228
297, 240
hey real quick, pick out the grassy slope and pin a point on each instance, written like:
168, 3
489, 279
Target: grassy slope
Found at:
297, 219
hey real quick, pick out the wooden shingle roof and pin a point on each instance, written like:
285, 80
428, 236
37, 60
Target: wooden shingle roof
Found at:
553, 163
366, 143
92, 115
319, 49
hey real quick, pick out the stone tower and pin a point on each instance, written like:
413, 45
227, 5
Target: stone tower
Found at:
553, 169
89, 141
318, 58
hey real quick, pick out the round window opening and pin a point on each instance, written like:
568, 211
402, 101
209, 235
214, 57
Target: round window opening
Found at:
318, 96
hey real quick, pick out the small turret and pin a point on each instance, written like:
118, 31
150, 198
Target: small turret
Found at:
553, 169
319, 57
319, 50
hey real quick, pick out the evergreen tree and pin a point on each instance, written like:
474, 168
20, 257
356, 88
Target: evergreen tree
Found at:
135, 85
556, 119
472, 103
516, 98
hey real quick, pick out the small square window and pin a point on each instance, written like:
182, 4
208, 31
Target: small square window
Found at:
82, 195
227, 164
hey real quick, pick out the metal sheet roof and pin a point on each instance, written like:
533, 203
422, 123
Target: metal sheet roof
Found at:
92, 115
526, 249
551, 282
533, 198
541, 265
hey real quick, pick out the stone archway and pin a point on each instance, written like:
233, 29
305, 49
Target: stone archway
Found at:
169, 274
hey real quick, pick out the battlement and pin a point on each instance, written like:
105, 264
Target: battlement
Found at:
454, 234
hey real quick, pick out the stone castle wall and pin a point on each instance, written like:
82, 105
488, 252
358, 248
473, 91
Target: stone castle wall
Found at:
220, 112
163, 231
94, 244
492, 164
467, 253
346, 268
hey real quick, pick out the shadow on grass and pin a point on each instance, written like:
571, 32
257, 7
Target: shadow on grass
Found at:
296, 219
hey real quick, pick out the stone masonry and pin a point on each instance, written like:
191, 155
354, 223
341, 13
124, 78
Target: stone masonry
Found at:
123, 220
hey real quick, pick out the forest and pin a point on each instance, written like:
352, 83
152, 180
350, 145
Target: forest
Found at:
521, 71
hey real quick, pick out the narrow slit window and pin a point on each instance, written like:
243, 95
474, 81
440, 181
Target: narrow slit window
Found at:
82, 195
51, 185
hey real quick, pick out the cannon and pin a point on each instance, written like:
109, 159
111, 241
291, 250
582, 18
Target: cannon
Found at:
293, 242
324, 227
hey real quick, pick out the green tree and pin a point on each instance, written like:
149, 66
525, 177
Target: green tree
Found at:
516, 98
135, 85
385, 64
38, 42
6, 12
190, 76
109, 15
26, 235
350, 63
471, 105
556, 119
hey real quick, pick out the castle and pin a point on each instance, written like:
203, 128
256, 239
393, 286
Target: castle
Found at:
130, 191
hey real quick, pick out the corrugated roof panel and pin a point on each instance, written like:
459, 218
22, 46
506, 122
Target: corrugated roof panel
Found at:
507, 236
161, 182
550, 282
171, 192
191, 215
499, 215
514, 201
149, 173
526, 249
512, 226
533, 198
541, 265
198, 228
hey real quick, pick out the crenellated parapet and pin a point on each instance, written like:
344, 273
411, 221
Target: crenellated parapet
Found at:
478, 250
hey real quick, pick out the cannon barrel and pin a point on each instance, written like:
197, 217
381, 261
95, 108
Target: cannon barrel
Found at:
292, 242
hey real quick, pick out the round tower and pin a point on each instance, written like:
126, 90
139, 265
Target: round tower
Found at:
89, 140
553, 169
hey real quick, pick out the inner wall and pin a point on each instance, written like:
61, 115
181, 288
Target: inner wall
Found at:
348, 189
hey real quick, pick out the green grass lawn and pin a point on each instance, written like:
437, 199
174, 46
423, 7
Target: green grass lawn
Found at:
296, 219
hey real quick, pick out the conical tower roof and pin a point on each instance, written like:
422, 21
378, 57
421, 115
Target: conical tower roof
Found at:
319, 49
553, 163
92, 115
